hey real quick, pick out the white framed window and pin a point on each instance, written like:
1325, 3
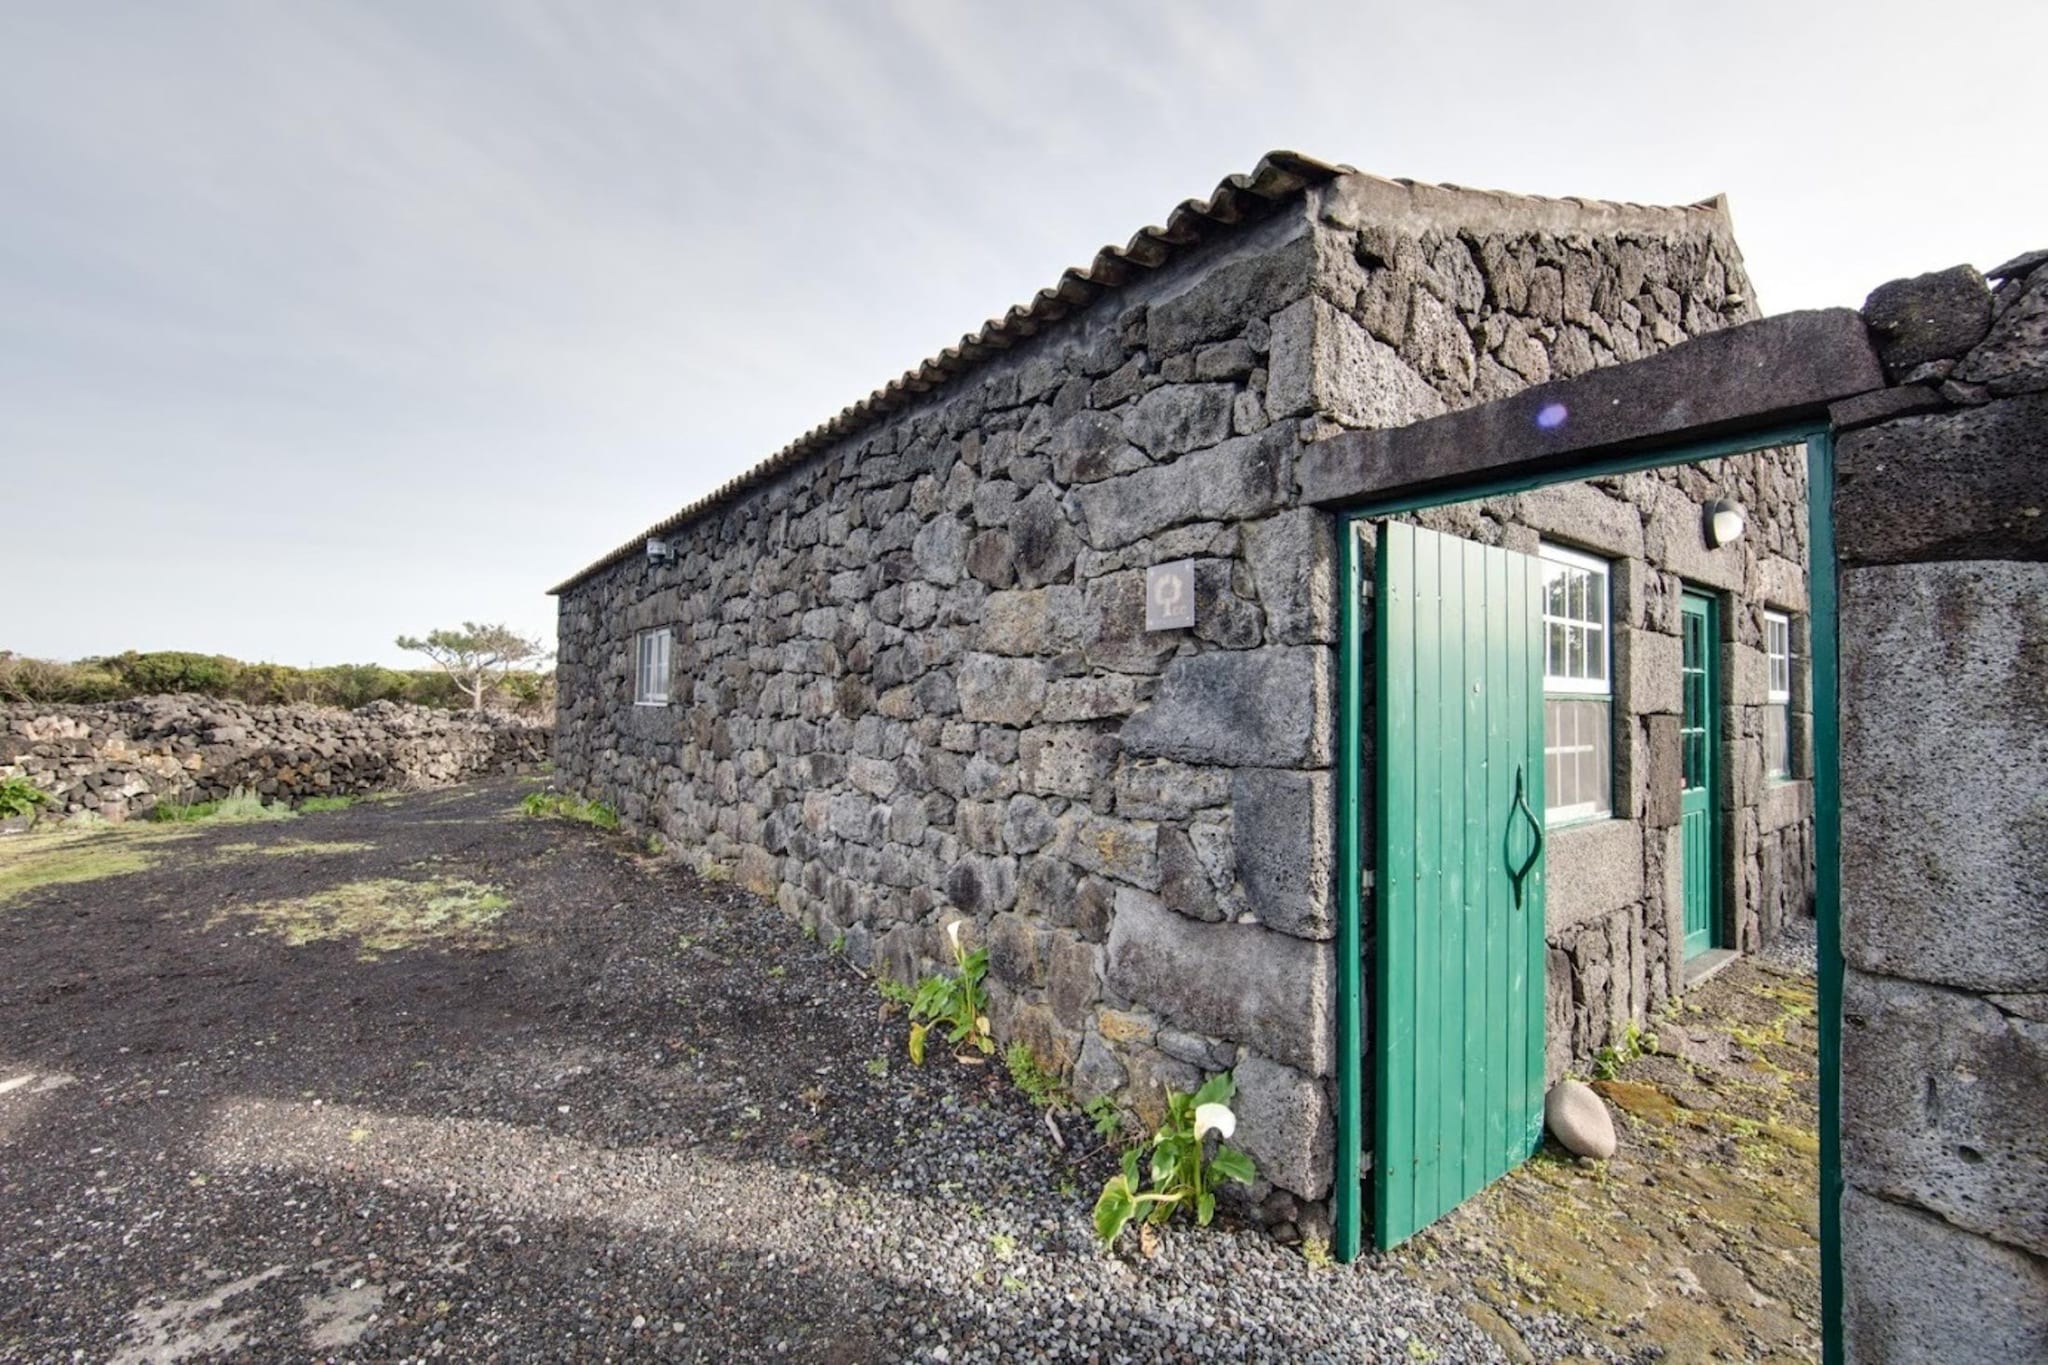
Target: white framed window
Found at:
650, 670
1578, 687
1778, 695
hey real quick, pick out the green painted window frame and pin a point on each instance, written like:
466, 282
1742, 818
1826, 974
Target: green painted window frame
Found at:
1824, 663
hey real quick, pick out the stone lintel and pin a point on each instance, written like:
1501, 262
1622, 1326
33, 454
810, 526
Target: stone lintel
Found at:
1755, 376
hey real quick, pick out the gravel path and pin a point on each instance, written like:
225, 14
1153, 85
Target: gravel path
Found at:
636, 1116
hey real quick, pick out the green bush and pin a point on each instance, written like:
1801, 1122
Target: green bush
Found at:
19, 796
118, 677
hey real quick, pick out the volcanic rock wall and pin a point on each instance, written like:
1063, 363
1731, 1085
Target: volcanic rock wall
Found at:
913, 680
122, 758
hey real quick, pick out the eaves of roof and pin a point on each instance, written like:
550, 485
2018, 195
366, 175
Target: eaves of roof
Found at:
1237, 199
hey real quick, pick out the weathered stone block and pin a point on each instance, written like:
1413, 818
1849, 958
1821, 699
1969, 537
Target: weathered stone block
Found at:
1125, 850
1073, 979
1240, 708
1944, 731
1035, 621
1090, 446
1267, 990
1647, 665
1916, 1289
1043, 540
1591, 870
1323, 362
1180, 417
1928, 317
1285, 1125
1291, 558
1065, 760
1957, 485
1284, 825
1945, 1105
2014, 357
1162, 790
1001, 691
1092, 698
1258, 282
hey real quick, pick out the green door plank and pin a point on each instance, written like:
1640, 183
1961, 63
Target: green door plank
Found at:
1459, 998
1698, 748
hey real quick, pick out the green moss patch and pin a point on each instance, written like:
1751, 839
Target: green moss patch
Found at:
385, 915
295, 848
79, 851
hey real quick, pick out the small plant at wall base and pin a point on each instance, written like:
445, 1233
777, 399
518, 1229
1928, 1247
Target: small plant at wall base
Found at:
566, 807
956, 1003
1041, 1084
1632, 1044
1182, 1173
20, 799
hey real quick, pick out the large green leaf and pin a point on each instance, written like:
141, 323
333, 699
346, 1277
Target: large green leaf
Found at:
1231, 1164
1218, 1089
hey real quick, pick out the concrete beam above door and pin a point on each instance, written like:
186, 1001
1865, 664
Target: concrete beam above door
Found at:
1774, 372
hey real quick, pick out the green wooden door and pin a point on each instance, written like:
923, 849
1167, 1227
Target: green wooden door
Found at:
1459, 1010
1697, 739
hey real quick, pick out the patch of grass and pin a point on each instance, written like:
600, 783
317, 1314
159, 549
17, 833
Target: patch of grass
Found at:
294, 848
31, 861
238, 807
313, 805
1042, 1085
385, 915
563, 806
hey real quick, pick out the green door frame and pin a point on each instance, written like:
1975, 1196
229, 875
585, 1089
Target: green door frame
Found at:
1821, 593
1703, 883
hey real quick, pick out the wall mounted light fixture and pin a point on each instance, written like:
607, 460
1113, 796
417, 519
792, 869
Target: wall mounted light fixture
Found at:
1722, 522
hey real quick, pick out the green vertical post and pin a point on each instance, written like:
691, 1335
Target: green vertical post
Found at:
1822, 570
1350, 862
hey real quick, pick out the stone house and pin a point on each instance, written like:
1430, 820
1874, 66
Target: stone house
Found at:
901, 673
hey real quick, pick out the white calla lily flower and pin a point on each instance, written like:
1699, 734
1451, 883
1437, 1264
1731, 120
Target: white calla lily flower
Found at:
1214, 1118
953, 933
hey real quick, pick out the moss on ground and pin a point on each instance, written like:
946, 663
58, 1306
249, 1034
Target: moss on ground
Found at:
1701, 1236
77, 852
384, 915
294, 848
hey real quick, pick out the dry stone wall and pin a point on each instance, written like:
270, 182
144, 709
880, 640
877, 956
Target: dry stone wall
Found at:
122, 758
913, 680
1942, 509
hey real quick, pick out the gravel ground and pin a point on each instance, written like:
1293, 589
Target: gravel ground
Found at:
631, 1115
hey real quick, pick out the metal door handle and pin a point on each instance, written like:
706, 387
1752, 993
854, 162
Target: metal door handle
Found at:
1521, 874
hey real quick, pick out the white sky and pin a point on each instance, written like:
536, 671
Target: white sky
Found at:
322, 323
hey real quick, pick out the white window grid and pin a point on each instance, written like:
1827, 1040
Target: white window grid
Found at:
1575, 624
650, 678
1778, 649
1578, 739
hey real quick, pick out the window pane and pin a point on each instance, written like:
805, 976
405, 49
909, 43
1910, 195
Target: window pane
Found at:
1778, 741
1578, 761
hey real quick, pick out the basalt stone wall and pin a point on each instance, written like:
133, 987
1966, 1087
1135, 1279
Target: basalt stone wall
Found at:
912, 681
1942, 509
1615, 915
122, 758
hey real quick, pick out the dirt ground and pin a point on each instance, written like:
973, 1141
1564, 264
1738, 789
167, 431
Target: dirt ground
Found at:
1700, 1239
425, 1078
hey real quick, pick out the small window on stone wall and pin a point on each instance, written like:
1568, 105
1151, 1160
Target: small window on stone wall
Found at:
650, 672
1578, 697
1778, 696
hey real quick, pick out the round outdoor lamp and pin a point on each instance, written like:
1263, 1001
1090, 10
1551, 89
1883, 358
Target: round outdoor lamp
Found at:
1722, 522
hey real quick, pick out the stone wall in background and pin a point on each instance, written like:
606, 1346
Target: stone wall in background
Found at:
119, 759
1942, 509
912, 677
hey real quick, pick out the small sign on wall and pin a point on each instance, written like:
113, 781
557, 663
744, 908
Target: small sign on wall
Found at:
1170, 595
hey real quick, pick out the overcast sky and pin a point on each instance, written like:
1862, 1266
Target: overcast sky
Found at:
322, 323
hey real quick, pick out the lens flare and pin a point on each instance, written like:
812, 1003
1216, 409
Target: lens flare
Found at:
1552, 416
